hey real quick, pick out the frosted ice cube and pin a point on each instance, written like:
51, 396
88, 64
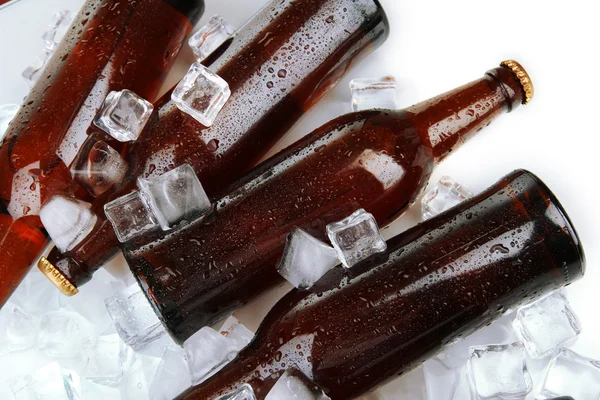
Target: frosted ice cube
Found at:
305, 259
50, 382
210, 37
33, 72
244, 392
18, 331
499, 371
237, 334
444, 195
66, 337
130, 216
172, 376
7, 113
546, 325
57, 28
124, 115
175, 196
108, 360
135, 384
293, 384
356, 238
570, 374
201, 94
94, 391
97, 166
134, 319
67, 221
207, 352
373, 93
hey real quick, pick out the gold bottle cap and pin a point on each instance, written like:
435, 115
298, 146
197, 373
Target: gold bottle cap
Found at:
523, 78
57, 278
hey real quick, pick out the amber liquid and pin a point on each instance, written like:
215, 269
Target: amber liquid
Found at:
438, 281
278, 65
377, 160
112, 45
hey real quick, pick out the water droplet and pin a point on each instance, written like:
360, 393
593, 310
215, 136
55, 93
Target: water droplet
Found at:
269, 84
330, 19
213, 145
499, 248
282, 73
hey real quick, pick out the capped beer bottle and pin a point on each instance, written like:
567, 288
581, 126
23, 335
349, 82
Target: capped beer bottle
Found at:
378, 160
111, 45
277, 66
443, 279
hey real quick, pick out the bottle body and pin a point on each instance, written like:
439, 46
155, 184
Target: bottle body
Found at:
112, 45
277, 66
377, 160
438, 281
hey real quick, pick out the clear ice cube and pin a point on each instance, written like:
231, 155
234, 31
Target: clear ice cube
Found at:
175, 196
124, 115
57, 28
134, 319
18, 330
130, 216
48, 383
305, 259
94, 391
356, 238
108, 361
207, 352
36, 295
67, 338
546, 325
411, 386
67, 221
33, 72
172, 376
373, 93
210, 37
570, 374
7, 113
293, 384
244, 392
201, 94
444, 195
135, 384
499, 371
236, 333
97, 166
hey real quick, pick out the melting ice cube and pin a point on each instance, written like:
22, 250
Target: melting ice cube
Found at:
244, 392
236, 333
546, 325
201, 94
293, 384
210, 37
18, 330
305, 259
124, 115
356, 238
373, 93
570, 374
443, 196
172, 376
130, 216
108, 360
50, 382
135, 384
57, 28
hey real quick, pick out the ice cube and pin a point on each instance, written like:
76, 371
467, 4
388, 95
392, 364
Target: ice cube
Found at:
207, 352
305, 259
134, 319
175, 196
356, 238
67, 221
444, 195
6, 392
373, 93
499, 371
546, 325
135, 384
66, 337
411, 386
59, 24
94, 391
18, 331
244, 392
33, 72
172, 376
201, 94
237, 334
124, 115
293, 384
50, 382
130, 216
210, 37
570, 374
108, 360
36, 295
7, 113
97, 166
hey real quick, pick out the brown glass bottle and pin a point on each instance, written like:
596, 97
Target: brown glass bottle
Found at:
438, 281
112, 45
277, 66
377, 160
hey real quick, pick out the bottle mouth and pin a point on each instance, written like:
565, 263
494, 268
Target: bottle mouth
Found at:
55, 276
523, 78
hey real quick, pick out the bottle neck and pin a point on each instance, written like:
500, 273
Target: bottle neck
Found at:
447, 121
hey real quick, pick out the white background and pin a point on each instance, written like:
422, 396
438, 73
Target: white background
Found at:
435, 46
